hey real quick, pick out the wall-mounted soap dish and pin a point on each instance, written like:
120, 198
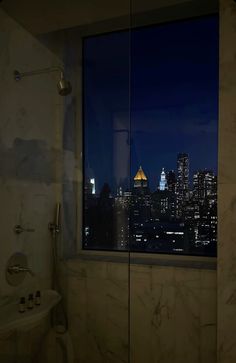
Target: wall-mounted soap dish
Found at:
12, 319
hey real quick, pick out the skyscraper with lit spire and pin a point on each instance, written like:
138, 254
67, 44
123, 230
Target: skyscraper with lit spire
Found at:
140, 179
140, 207
163, 181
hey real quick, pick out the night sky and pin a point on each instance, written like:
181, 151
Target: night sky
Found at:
150, 95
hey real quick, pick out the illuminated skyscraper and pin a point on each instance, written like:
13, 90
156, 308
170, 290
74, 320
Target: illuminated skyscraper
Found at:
182, 188
205, 198
140, 179
204, 185
92, 181
140, 205
88, 188
183, 173
163, 181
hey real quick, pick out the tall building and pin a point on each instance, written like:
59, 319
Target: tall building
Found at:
163, 181
140, 179
182, 187
161, 204
183, 173
205, 199
140, 204
171, 181
204, 185
88, 188
92, 181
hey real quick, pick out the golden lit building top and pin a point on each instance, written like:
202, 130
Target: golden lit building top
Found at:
140, 175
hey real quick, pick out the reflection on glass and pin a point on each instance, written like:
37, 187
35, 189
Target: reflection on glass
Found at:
169, 202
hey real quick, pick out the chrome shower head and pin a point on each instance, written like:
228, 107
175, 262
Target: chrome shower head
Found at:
63, 86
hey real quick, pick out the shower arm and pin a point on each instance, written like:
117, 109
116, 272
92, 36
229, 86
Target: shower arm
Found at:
18, 75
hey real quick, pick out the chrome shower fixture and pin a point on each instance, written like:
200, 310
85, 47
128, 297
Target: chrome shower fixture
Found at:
63, 86
55, 227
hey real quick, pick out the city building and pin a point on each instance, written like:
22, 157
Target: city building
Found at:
171, 181
140, 179
163, 182
178, 217
204, 185
182, 187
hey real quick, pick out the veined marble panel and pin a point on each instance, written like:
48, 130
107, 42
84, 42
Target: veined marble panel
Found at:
227, 274
172, 312
226, 297
173, 306
97, 305
227, 124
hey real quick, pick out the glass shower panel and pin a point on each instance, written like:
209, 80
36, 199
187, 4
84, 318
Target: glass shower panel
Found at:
104, 255
106, 140
173, 172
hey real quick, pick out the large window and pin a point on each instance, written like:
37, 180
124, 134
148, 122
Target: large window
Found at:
150, 139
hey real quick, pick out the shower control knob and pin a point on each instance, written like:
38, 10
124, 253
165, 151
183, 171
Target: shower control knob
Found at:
17, 76
18, 229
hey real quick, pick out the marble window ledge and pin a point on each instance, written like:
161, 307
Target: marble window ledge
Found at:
192, 262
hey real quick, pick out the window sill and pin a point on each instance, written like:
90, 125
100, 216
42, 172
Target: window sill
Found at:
192, 262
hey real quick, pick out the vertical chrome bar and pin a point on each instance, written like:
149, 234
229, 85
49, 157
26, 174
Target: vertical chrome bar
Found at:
58, 213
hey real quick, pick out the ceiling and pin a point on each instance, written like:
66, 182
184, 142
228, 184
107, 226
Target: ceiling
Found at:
45, 16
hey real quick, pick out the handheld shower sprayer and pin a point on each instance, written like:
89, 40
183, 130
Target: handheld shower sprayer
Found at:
58, 215
63, 85
56, 227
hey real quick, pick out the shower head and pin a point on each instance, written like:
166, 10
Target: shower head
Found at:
63, 86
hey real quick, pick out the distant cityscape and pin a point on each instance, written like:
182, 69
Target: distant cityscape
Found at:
179, 217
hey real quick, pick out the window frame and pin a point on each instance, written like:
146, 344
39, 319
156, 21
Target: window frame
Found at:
140, 257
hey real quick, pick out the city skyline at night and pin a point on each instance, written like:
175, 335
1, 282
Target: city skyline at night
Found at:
151, 101
157, 177
163, 100
175, 218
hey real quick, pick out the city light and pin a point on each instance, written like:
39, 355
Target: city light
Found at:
149, 220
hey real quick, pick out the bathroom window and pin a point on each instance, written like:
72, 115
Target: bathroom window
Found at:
150, 123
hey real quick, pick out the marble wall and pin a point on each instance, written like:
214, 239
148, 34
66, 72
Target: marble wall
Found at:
96, 296
173, 315
170, 312
31, 115
226, 283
